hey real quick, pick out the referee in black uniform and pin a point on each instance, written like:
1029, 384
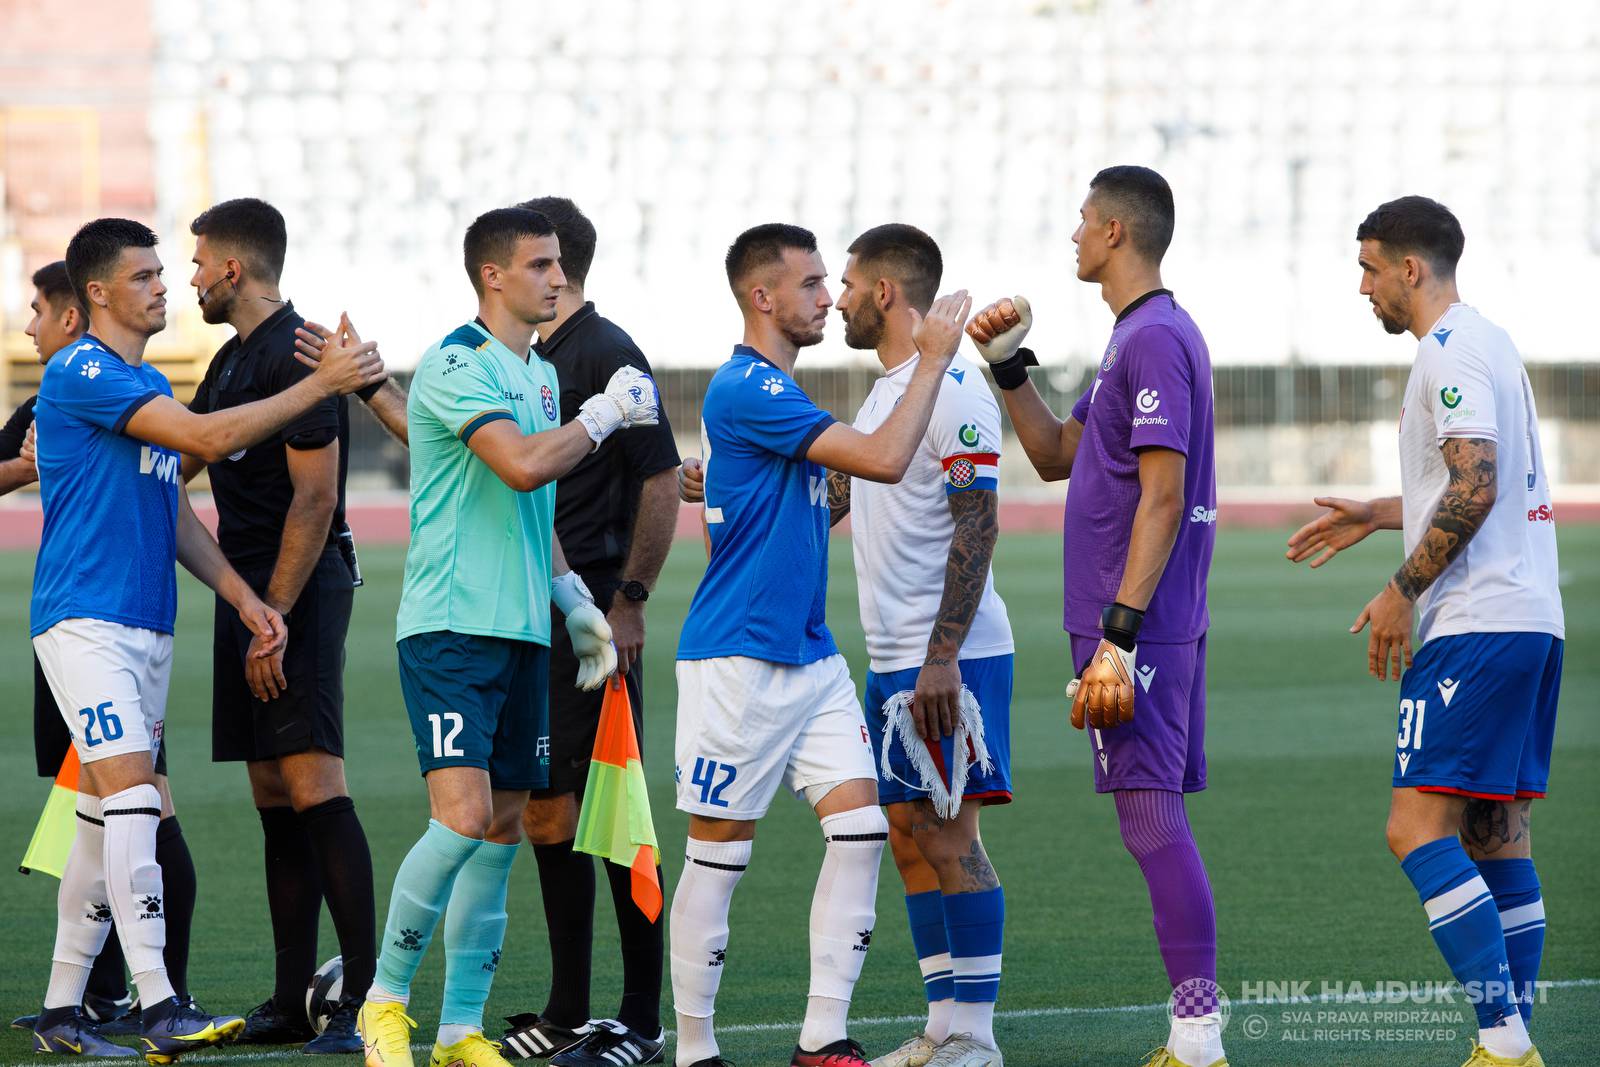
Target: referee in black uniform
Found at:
58, 320
615, 514
280, 508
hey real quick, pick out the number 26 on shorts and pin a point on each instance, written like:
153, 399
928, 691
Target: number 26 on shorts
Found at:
705, 776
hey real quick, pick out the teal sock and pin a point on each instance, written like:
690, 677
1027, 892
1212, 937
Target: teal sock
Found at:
421, 887
474, 930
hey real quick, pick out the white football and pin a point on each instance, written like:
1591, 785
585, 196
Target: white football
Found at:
323, 992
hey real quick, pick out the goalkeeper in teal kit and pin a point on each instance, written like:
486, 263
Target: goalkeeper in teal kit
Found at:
474, 624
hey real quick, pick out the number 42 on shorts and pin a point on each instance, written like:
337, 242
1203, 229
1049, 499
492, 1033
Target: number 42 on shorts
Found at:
705, 776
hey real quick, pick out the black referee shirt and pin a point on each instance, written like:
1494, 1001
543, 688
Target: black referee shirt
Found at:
15, 431
596, 502
252, 488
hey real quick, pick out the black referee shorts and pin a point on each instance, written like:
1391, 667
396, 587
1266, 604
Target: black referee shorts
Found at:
574, 714
51, 738
310, 714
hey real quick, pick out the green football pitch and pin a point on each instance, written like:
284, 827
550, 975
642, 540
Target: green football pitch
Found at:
1300, 742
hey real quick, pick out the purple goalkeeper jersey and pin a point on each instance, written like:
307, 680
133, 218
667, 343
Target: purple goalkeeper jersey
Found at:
1153, 391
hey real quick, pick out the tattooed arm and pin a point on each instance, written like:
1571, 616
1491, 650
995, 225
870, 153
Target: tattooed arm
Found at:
838, 496
977, 526
1460, 513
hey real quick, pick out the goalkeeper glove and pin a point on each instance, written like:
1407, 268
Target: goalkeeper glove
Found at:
630, 399
1103, 693
997, 332
588, 629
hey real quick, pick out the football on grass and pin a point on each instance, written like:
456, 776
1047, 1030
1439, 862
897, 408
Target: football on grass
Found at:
322, 993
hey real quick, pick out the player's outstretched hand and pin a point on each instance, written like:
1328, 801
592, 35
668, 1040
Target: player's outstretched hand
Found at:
346, 363
1346, 522
938, 333
1390, 639
630, 399
29, 453
264, 673
692, 481
936, 702
998, 330
1102, 696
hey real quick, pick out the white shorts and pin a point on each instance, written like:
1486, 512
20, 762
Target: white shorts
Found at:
110, 682
747, 726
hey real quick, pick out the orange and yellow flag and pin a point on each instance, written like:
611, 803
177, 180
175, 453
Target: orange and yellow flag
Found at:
58, 823
615, 822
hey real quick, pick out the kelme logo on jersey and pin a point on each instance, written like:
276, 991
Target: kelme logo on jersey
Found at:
1450, 397
90, 369
968, 434
547, 401
772, 384
1110, 360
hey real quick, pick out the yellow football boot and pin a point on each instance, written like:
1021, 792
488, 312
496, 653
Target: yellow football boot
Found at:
385, 1031
1482, 1057
474, 1050
1162, 1058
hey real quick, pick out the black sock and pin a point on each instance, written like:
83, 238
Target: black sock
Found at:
566, 881
345, 864
178, 888
641, 954
294, 898
108, 977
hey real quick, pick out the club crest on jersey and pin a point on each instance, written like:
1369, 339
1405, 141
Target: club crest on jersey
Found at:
1110, 360
547, 400
963, 473
1450, 397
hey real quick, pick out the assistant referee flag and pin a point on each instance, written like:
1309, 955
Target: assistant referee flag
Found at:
615, 822
58, 824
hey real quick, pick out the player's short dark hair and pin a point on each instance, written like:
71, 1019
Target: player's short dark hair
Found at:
762, 246
97, 246
575, 232
252, 229
1141, 200
493, 237
1416, 224
55, 285
904, 253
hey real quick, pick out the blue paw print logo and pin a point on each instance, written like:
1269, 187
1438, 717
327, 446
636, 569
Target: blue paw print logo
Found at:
772, 384
494, 961
90, 369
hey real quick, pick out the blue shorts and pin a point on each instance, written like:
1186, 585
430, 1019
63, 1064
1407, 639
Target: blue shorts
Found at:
1164, 747
990, 682
1478, 715
479, 702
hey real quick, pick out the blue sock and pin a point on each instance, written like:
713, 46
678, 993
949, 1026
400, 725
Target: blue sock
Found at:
1465, 925
474, 930
975, 924
926, 912
421, 887
1515, 885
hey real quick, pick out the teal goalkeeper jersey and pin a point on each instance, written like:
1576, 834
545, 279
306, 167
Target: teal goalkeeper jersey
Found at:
479, 561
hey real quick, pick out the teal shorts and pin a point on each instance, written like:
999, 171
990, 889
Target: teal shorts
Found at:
479, 702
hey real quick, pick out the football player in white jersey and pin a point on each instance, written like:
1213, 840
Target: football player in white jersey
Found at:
1478, 706
935, 628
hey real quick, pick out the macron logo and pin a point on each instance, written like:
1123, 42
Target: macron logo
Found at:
164, 465
1147, 674
1447, 690
1405, 761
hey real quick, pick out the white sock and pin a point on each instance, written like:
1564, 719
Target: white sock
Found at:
83, 916
450, 1033
699, 939
939, 1012
843, 911
376, 994
133, 887
976, 1019
1509, 1039
1196, 1039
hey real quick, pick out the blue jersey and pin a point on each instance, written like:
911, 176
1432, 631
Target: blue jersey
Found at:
766, 585
109, 547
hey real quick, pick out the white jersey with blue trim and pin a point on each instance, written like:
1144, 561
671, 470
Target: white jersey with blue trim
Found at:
901, 533
109, 547
1468, 381
766, 508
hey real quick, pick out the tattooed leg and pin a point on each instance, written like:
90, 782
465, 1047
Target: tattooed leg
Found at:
1496, 829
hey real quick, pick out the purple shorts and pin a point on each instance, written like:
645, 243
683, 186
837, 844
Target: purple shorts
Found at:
1164, 746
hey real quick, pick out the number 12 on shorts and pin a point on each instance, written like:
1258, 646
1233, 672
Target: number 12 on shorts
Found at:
705, 776
444, 744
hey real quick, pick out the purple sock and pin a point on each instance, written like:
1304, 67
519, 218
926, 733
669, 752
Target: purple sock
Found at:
1155, 830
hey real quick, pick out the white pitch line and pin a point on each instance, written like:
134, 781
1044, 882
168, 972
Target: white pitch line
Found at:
901, 1020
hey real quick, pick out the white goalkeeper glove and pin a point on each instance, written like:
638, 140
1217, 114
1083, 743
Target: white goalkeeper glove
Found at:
630, 399
999, 329
588, 629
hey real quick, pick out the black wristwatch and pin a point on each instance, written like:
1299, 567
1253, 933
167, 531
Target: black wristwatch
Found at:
634, 591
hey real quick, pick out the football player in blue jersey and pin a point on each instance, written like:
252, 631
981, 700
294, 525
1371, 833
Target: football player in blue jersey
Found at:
764, 698
116, 519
